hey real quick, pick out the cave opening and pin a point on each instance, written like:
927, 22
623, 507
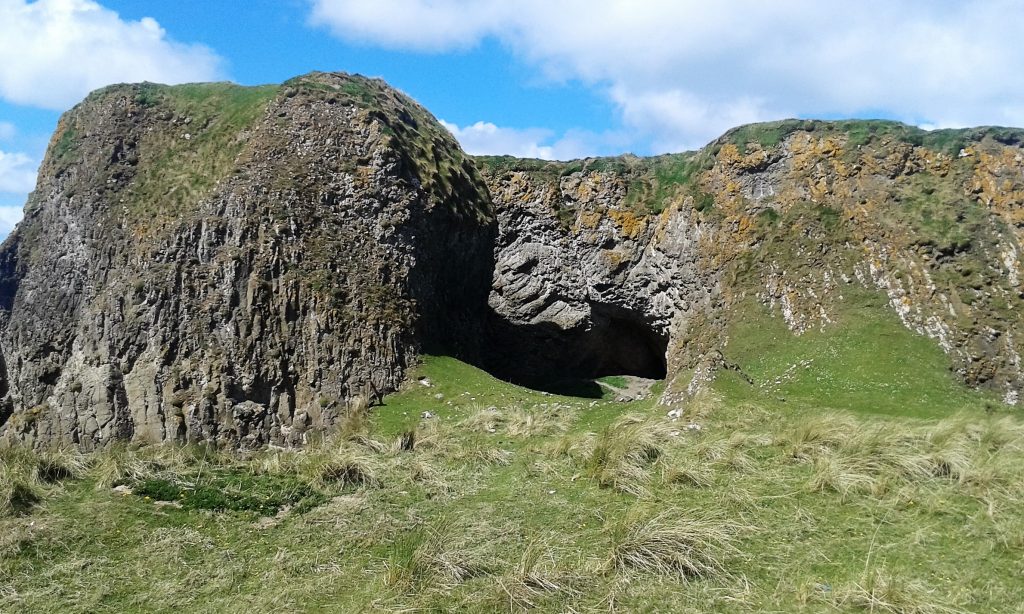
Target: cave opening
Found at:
625, 347
543, 356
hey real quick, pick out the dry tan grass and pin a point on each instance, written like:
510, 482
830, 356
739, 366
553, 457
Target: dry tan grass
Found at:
535, 577
440, 555
623, 453
687, 544
881, 591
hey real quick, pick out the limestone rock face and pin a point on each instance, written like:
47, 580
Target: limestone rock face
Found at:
585, 285
235, 264
604, 264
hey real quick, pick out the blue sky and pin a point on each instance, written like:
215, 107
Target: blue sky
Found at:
531, 78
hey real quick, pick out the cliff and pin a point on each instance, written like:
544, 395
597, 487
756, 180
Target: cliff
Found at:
661, 259
213, 262
238, 265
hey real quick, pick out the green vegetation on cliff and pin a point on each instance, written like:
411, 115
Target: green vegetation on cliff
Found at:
861, 132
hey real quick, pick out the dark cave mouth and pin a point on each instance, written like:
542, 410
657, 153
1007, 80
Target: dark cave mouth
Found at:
625, 347
545, 357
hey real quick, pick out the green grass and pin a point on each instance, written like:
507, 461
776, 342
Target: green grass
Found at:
860, 132
867, 362
175, 172
616, 381
510, 500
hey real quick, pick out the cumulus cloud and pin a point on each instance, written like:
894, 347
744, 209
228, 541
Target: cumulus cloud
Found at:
683, 71
53, 52
17, 173
9, 216
485, 138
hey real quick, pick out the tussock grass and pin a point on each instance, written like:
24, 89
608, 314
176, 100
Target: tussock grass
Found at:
816, 435
882, 591
342, 467
536, 577
26, 476
729, 452
679, 471
686, 544
435, 556
485, 420
517, 421
118, 464
536, 423
397, 513
623, 453
20, 488
848, 458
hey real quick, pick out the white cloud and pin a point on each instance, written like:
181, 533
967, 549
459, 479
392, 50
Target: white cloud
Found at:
9, 216
683, 71
485, 138
17, 173
7, 131
431, 25
53, 52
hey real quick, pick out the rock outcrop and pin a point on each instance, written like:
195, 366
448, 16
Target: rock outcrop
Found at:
237, 265
662, 251
234, 265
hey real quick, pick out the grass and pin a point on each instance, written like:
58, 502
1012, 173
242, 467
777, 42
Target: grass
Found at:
868, 362
507, 499
175, 172
690, 545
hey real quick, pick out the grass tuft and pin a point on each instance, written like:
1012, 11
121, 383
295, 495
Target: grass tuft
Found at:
689, 545
881, 591
623, 453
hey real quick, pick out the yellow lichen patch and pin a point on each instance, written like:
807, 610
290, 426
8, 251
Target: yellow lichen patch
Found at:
730, 155
662, 221
588, 219
998, 183
630, 223
819, 189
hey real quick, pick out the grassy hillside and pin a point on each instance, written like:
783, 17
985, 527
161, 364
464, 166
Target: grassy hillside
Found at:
867, 363
506, 499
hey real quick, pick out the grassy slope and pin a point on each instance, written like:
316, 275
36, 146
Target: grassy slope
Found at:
868, 363
539, 502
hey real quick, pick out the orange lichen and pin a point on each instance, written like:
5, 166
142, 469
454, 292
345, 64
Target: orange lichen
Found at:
628, 222
589, 219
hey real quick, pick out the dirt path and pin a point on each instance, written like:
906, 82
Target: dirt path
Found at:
636, 388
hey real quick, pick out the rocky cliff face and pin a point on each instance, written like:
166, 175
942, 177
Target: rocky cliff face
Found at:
236, 265
627, 254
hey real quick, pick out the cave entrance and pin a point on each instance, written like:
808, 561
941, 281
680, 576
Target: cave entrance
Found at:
545, 357
624, 347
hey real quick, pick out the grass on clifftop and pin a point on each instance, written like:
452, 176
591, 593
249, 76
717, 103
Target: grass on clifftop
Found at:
179, 164
506, 499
